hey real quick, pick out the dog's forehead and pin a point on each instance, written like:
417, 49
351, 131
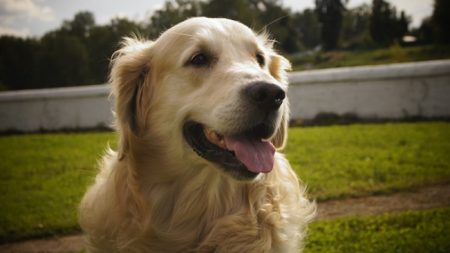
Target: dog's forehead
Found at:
210, 30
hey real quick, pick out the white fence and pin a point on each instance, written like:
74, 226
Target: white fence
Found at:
55, 109
394, 91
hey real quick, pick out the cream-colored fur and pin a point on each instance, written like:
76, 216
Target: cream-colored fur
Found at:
155, 194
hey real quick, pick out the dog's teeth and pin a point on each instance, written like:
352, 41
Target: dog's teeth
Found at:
214, 137
209, 134
222, 143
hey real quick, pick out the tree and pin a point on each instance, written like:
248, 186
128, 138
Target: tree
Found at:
355, 27
104, 40
441, 21
385, 26
329, 13
62, 60
308, 28
381, 25
244, 11
259, 14
270, 16
402, 25
81, 24
424, 33
172, 13
17, 58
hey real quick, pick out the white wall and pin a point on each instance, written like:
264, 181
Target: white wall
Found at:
393, 91
55, 109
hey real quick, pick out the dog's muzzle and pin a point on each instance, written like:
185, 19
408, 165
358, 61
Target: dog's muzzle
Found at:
244, 154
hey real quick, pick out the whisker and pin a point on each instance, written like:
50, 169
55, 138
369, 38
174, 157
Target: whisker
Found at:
271, 23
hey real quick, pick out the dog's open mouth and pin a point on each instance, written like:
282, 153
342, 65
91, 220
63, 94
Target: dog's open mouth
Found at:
243, 155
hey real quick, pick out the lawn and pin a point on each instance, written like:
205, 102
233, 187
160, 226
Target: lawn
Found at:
412, 231
44, 176
358, 160
393, 54
42, 179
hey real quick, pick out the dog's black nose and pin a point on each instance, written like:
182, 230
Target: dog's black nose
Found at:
266, 95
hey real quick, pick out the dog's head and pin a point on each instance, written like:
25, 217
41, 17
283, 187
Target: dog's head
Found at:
207, 90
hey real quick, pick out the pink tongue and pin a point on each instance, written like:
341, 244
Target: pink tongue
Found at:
256, 155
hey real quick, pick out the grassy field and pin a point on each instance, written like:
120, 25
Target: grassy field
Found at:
412, 231
393, 54
42, 179
44, 176
357, 160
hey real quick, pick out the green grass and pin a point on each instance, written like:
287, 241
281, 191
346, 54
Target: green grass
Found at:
43, 177
393, 54
412, 231
357, 160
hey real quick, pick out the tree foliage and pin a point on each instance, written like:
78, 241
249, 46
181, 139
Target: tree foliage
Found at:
62, 60
17, 57
261, 15
172, 13
329, 13
280, 23
425, 32
75, 54
385, 26
307, 28
78, 52
355, 28
440, 20
81, 25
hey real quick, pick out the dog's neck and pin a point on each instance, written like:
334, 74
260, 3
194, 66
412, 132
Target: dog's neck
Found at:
190, 200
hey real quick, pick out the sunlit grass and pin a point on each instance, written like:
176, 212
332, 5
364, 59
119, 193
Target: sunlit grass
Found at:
42, 180
43, 177
412, 231
358, 160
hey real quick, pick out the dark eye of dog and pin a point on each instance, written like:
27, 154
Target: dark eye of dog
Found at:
200, 60
260, 59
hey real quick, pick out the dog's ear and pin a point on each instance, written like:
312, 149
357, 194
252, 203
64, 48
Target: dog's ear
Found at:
278, 67
280, 138
130, 79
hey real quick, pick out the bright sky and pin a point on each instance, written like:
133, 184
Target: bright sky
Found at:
35, 17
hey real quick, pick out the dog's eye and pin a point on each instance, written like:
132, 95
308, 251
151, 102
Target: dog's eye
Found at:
260, 59
200, 60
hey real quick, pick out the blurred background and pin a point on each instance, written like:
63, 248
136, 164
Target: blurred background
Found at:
68, 43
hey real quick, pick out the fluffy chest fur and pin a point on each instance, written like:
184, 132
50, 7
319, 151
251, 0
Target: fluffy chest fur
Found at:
208, 213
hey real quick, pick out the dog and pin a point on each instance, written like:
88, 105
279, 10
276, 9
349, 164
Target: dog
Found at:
201, 115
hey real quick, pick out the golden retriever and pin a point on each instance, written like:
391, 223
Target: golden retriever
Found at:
200, 113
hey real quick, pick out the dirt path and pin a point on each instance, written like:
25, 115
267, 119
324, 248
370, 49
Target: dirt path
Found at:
423, 198
71, 243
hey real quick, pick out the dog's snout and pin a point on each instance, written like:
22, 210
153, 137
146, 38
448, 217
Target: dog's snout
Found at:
266, 95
